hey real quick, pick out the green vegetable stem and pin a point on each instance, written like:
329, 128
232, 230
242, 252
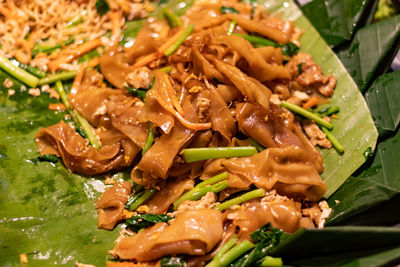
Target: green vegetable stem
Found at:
240, 199
197, 154
175, 46
214, 184
231, 255
307, 114
18, 73
62, 76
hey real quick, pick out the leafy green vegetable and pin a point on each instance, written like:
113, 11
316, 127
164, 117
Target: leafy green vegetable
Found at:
380, 182
173, 262
337, 20
137, 92
266, 238
300, 68
371, 51
289, 49
102, 7
48, 157
225, 10
141, 221
150, 138
334, 240
383, 99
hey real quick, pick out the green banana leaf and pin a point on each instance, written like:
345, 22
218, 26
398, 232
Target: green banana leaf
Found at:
337, 20
334, 240
367, 258
49, 213
371, 51
375, 185
383, 98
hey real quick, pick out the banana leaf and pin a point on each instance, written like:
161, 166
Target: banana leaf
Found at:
49, 213
383, 98
375, 185
367, 258
335, 240
371, 51
337, 20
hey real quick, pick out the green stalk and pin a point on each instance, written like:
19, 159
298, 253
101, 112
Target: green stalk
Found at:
138, 187
133, 199
240, 199
212, 180
62, 76
204, 153
32, 70
172, 18
228, 245
166, 69
197, 193
333, 140
257, 40
150, 139
50, 48
175, 46
269, 261
142, 199
231, 27
63, 95
18, 73
87, 128
79, 120
76, 21
307, 114
256, 145
231, 255
329, 111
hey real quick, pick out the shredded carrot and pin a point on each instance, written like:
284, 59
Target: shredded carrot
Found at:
172, 94
30, 44
93, 62
56, 106
79, 51
312, 102
334, 116
170, 42
115, 18
181, 119
77, 82
143, 61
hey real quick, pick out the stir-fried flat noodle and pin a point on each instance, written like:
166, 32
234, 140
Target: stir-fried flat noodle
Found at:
221, 91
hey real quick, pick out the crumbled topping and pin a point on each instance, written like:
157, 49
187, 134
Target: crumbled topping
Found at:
8, 83
78, 264
316, 135
143, 209
34, 92
207, 201
23, 258
326, 211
